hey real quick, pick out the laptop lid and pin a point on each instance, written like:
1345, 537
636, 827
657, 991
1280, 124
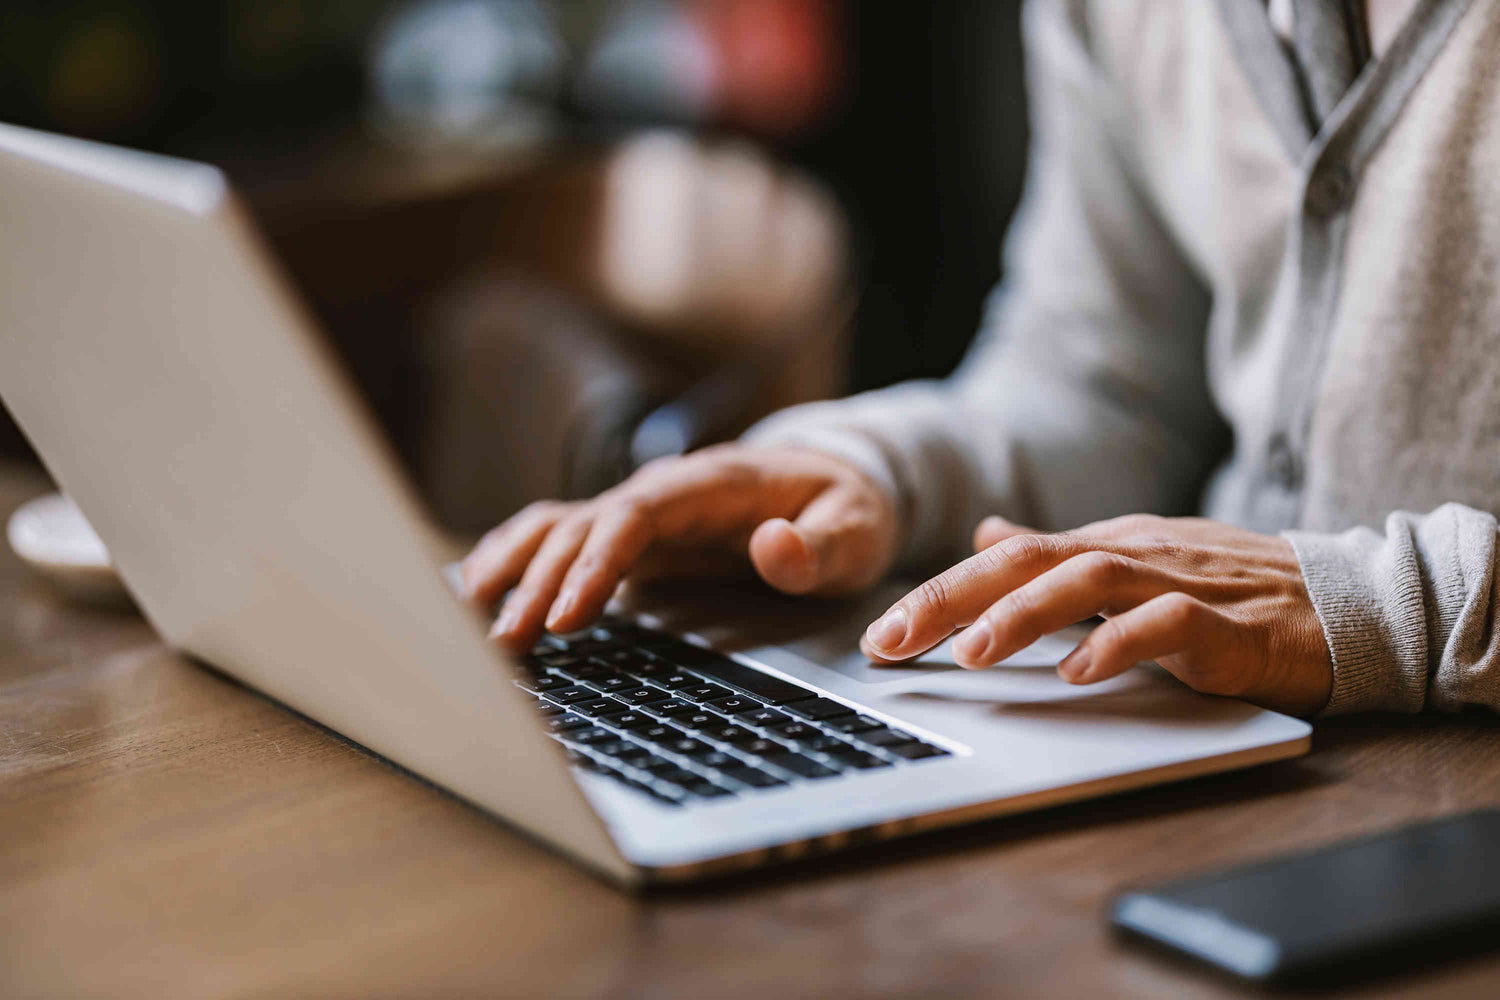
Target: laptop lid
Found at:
174, 388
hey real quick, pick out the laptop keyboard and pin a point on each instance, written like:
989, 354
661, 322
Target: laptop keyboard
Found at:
685, 724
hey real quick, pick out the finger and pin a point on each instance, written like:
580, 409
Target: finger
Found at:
835, 545
520, 621
1086, 585
500, 558
1161, 627
616, 540
995, 529
955, 597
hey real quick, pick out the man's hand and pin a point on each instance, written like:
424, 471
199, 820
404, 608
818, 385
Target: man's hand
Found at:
807, 522
1223, 609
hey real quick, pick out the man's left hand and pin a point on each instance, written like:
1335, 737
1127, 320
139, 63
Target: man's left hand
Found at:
1223, 609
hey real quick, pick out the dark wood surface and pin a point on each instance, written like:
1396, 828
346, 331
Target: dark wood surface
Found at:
165, 832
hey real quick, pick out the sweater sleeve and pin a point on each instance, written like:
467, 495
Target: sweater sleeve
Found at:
1085, 394
1409, 614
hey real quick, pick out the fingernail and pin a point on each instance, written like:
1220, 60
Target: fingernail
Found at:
974, 644
561, 608
1074, 664
505, 624
889, 632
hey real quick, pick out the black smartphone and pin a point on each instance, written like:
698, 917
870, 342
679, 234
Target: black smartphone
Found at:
1343, 912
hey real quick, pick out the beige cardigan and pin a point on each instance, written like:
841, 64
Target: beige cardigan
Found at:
1211, 307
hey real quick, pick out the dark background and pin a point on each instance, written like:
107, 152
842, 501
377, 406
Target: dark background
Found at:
922, 140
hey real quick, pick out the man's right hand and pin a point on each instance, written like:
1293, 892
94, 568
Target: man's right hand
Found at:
809, 523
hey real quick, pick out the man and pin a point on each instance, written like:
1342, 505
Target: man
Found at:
1256, 274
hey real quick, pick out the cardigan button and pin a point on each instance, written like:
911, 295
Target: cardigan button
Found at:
1330, 191
1282, 464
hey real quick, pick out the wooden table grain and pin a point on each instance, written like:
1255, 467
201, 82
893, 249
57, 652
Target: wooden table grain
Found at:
165, 832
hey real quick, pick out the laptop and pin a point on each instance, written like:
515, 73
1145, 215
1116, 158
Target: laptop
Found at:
176, 389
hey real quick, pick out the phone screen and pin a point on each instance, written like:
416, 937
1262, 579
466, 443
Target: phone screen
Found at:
1343, 911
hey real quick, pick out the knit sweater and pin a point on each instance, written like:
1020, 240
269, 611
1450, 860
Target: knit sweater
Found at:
1213, 305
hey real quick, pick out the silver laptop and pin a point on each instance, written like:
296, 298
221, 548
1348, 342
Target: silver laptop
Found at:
177, 390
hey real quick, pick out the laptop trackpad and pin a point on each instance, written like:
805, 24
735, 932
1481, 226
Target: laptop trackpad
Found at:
824, 632
1045, 653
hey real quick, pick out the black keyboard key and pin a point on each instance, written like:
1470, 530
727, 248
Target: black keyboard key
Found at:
764, 717
735, 704
547, 710
857, 724
613, 748
717, 667
860, 759
584, 737
672, 707
629, 720
917, 751
687, 747
586, 671
598, 706
752, 776
621, 658
886, 737
569, 695
635, 755
669, 647
643, 696
563, 723
708, 790
799, 732
659, 733
799, 765
613, 681
542, 685
817, 709
698, 718
678, 680
702, 692
827, 744
729, 734
532, 666
718, 760
554, 658
651, 669
762, 748
669, 772
593, 647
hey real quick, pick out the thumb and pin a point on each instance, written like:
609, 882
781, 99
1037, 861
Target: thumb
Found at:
995, 529
841, 541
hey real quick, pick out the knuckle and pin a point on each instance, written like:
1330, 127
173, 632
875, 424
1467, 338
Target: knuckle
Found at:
1179, 610
540, 510
633, 511
932, 595
1142, 524
1104, 570
1019, 551
657, 468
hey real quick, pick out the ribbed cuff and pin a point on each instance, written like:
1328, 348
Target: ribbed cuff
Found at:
1367, 592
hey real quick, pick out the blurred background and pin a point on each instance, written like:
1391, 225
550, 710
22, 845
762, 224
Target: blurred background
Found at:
553, 240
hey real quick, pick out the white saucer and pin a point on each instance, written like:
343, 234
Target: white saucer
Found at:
51, 536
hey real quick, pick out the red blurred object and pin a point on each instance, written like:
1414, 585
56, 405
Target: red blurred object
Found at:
779, 60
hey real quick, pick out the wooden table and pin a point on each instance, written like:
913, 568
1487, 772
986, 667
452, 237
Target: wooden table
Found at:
165, 832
